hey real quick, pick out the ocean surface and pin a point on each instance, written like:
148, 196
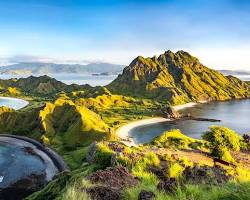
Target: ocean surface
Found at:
233, 114
72, 78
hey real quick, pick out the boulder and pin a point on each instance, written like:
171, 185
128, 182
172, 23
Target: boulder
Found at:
114, 177
90, 157
104, 193
110, 183
168, 186
146, 195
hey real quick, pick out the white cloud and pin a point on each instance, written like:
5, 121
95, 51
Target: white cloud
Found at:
28, 58
235, 58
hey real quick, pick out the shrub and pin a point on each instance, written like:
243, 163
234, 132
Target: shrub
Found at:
175, 170
186, 162
242, 175
141, 166
222, 136
222, 140
151, 159
223, 153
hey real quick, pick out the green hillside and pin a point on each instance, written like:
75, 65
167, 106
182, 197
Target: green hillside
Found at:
60, 124
177, 77
44, 86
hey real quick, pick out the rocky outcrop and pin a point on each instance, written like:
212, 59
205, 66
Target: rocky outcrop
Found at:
205, 174
90, 156
114, 177
146, 195
103, 192
112, 180
170, 113
168, 186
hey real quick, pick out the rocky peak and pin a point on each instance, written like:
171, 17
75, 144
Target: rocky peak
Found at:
178, 59
137, 61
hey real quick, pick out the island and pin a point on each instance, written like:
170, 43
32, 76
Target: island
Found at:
89, 127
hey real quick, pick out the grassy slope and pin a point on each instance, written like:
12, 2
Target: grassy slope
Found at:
172, 162
59, 124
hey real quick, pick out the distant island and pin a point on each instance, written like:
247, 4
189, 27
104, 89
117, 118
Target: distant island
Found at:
235, 72
29, 68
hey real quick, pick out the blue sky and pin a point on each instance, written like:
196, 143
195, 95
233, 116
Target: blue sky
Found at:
218, 32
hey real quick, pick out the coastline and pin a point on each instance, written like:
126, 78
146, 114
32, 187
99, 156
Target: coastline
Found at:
21, 103
123, 131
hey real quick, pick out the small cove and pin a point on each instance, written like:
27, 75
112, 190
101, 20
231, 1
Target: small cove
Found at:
14, 103
233, 114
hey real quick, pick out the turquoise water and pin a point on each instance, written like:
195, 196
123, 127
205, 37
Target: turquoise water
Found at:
233, 114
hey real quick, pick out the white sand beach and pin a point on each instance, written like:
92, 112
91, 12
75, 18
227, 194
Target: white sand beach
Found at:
123, 131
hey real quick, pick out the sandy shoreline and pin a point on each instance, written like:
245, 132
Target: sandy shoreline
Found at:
20, 103
123, 131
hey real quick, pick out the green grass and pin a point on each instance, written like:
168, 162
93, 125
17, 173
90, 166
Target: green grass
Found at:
230, 191
76, 191
176, 139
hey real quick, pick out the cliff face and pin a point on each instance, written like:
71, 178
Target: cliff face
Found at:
177, 77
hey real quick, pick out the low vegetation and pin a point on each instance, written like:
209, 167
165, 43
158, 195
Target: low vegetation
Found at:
155, 170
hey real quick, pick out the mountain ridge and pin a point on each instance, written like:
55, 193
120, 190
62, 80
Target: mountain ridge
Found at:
177, 77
